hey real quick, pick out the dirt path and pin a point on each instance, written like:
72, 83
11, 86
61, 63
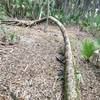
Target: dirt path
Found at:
29, 69
90, 88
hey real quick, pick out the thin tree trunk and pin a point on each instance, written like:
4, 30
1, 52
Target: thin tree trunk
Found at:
46, 25
8, 7
66, 4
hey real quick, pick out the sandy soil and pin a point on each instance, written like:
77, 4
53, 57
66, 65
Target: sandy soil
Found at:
29, 70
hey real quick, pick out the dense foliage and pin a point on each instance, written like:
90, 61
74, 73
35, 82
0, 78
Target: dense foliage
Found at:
83, 12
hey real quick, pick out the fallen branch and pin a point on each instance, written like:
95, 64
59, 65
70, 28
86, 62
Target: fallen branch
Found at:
23, 22
69, 75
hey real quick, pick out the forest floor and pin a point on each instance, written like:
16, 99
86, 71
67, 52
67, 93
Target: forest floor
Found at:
29, 70
90, 83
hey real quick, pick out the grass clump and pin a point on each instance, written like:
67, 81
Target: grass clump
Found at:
9, 38
12, 38
88, 49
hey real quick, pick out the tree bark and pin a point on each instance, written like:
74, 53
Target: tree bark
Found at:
66, 4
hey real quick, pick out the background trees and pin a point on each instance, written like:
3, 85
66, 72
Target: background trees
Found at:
83, 12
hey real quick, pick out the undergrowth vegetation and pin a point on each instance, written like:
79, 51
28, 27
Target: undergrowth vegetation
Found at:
12, 38
85, 13
9, 38
89, 47
2, 12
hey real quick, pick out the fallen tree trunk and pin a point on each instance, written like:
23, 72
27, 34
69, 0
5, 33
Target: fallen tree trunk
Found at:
69, 75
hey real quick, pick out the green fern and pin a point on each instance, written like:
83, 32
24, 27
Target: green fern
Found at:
87, 49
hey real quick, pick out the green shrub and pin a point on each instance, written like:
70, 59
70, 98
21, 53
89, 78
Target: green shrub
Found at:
88, 48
